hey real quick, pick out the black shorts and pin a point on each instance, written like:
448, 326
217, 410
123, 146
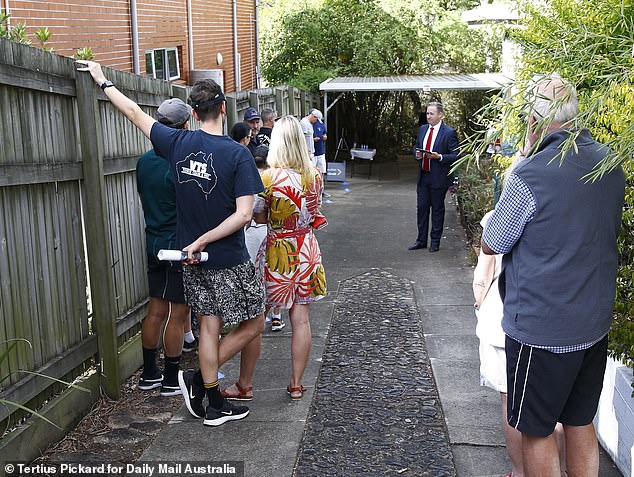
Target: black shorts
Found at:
165, 280
545, 388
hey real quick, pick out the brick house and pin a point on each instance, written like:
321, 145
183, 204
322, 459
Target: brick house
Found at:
173, 38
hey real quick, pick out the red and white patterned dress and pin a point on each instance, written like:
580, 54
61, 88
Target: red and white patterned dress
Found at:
290, 259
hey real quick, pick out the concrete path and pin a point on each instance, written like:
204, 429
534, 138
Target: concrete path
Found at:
371, 223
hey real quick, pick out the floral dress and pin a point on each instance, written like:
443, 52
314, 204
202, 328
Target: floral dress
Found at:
289, 259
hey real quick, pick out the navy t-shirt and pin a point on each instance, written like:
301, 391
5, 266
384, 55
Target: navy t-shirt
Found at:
319, 129
210, 172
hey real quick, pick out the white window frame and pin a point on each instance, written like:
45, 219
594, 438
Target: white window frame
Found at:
166, 66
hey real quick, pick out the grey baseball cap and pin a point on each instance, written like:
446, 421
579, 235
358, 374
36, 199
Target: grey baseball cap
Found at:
173, 113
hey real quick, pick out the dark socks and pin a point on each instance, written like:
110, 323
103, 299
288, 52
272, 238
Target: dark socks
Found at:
171, 369
198, 379
213, 394
150, 368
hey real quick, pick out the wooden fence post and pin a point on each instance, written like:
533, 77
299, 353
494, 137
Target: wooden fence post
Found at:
232, 110
291, 101
254, 100
302, 100
97, 235
279, 102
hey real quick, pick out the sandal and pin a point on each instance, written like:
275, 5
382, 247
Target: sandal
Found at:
241, 395
293, 392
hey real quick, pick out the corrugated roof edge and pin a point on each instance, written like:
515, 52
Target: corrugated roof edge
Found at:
481, 81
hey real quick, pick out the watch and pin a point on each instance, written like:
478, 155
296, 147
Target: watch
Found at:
106, 84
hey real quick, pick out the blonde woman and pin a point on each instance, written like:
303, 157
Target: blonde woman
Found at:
290, 258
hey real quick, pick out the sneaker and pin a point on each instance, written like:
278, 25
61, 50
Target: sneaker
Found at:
228, 412
327, 195
189, 347
268, 319
277, 324
152, 382
170, 389
192, 393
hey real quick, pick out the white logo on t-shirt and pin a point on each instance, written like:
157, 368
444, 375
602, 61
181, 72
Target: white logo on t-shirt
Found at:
199, 168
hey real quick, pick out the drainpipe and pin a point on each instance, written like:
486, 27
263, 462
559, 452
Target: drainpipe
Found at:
257, 44
135, 37
6, 11
236, 59
190, 37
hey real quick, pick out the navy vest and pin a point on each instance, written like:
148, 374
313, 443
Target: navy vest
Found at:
560, 277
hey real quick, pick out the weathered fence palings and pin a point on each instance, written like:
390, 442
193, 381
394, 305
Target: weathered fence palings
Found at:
67, 172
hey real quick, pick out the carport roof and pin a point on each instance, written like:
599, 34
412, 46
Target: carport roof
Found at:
485, 81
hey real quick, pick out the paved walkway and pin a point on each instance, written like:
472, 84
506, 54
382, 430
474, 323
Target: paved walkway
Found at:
376, 395
392, 380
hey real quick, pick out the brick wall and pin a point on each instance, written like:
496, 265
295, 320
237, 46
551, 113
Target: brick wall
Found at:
247, 43
163, 24
213, 34
105, 27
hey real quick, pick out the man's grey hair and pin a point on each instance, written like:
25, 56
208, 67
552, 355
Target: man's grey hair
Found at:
555, 98
267, 114
437, 105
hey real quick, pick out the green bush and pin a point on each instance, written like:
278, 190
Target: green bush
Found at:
622, 333
474, 198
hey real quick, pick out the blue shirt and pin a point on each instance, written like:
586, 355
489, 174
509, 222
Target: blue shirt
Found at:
210, 172
319, 129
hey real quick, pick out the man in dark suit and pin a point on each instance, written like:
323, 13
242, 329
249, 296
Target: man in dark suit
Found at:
441, 143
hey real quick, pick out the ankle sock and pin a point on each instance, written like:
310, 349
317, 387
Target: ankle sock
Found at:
189, 337
150, 369
213, 394
171, 369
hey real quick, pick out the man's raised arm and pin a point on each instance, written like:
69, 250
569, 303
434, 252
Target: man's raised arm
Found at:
129, 108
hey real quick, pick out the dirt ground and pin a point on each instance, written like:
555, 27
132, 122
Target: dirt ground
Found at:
119, 431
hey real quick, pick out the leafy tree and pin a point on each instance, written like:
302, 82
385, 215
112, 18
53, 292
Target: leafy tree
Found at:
304, 44
370, 37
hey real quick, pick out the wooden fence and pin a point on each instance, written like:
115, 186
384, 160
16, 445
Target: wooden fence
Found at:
73, 281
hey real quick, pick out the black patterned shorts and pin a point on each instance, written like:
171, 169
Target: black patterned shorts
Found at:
234, 294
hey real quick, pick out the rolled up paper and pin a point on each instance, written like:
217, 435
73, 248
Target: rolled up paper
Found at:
179, 255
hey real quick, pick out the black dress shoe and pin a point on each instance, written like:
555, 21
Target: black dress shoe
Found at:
434, 247
417, 246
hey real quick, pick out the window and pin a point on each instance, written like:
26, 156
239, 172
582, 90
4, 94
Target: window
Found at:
162, 63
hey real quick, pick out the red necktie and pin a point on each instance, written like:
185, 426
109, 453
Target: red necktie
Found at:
426, 160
